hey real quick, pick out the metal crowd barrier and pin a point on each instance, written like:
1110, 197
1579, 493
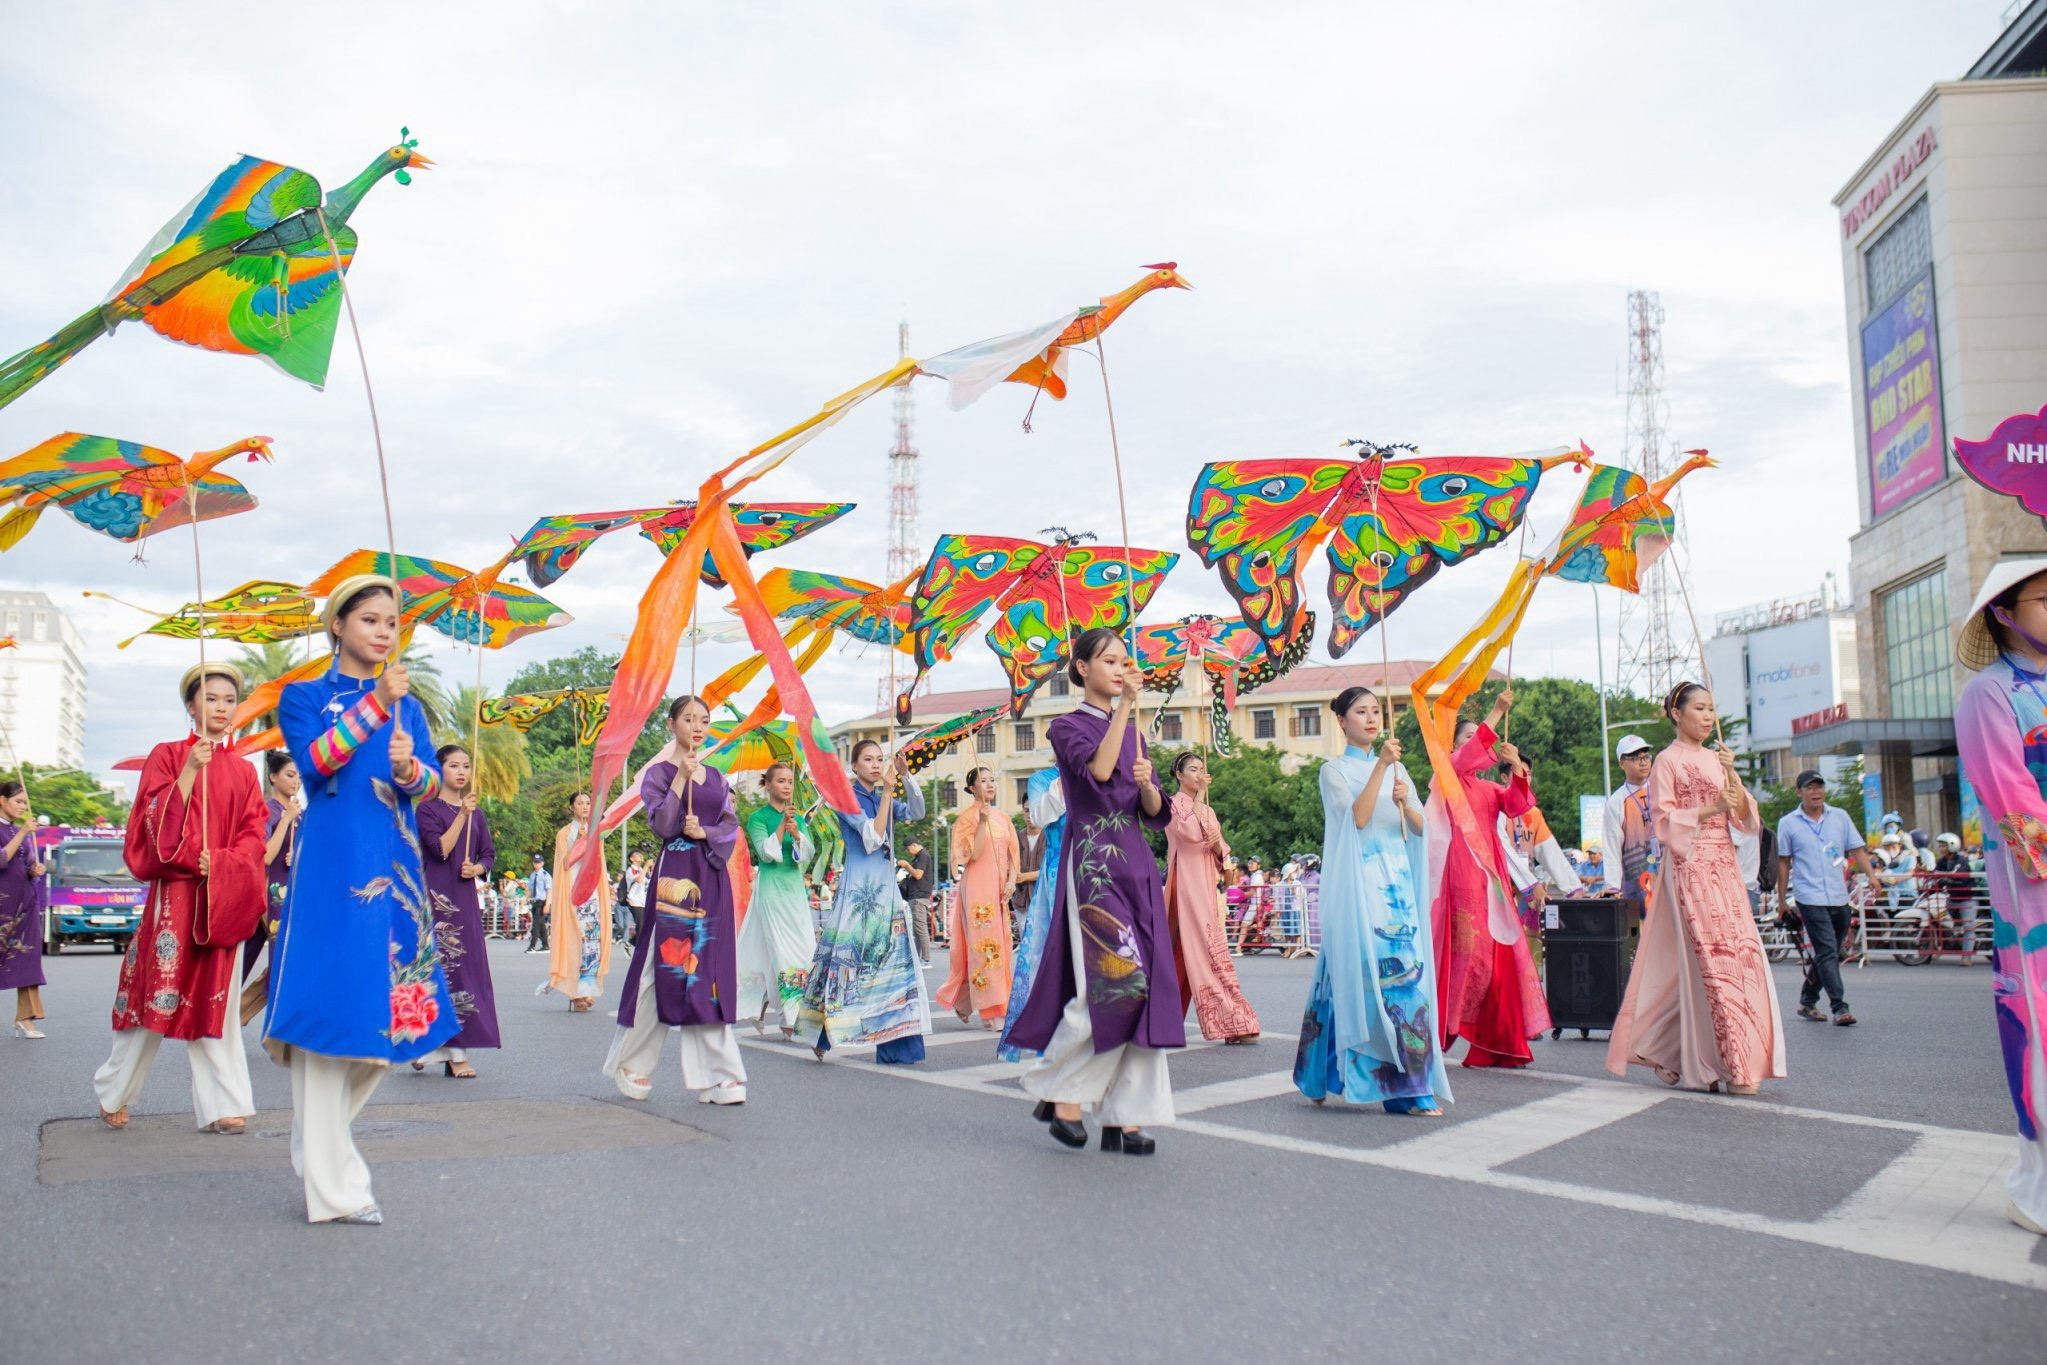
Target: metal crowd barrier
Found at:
1938, 915
1284, 917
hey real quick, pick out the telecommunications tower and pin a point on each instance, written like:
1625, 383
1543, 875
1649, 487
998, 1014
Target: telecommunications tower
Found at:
904, 557
1657, 646
902, 478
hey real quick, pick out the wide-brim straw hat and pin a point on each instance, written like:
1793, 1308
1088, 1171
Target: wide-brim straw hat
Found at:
347, 588
1976, 647
211, 669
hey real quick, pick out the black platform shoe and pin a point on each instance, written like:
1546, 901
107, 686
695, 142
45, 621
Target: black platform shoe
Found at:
1068, 1132
1045, 1112
1130, 1144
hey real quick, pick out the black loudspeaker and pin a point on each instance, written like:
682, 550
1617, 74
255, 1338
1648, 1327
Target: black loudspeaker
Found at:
1583, 980
1585, 959
1596, 919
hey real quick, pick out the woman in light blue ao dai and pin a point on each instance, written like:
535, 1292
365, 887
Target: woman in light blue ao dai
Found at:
1370, 1030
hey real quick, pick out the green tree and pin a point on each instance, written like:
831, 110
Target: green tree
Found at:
501, 762
1555, 725
66, 796
260, 664
525, 824
1266, 812
431, 692
1844, 791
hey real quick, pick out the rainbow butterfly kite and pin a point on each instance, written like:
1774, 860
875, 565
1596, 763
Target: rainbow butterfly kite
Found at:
1391, 524
1229, 653
1045, 594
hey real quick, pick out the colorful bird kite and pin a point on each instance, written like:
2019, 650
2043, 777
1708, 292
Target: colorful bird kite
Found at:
471, 608
1391, 525
248, 268
865, 611
1231, 655
1044, 594
121, 489
554, 544
1038, 356
259, 612
1621, 526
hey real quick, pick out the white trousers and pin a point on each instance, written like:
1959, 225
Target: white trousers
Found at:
220, 1074
1127, 1086
446, 1054
326, 1095
710, 1052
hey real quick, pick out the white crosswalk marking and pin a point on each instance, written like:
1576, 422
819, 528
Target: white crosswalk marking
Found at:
1939, 1205
1945, 1195
1262, 1087
1495, 1140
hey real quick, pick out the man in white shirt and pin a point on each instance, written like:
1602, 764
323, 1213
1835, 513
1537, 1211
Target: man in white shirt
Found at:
1629, 852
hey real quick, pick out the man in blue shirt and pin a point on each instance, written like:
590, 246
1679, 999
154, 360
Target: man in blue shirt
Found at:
539, 887
1814, 842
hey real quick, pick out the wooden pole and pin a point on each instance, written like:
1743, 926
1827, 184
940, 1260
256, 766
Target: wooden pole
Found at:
376, 431
199, 605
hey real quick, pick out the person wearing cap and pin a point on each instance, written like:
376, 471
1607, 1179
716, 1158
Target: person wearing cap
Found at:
1629, 831
195, 836
1814, 842
356, 985
2001, 731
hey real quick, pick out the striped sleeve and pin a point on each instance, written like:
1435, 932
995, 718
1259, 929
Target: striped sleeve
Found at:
333, 749
425, 784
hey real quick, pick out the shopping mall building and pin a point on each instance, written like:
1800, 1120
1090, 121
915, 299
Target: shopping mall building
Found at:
1944, 270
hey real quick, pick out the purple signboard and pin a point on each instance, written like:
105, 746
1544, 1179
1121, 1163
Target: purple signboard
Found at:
1901, 399
2013, 460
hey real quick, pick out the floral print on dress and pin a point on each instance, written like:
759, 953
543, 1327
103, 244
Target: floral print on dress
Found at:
414, 1008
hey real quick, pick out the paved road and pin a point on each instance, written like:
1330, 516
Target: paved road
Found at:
864, 1213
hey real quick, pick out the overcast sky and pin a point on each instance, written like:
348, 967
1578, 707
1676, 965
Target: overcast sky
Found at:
661, 232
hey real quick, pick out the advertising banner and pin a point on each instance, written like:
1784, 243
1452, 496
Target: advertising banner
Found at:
1790, 674
1591, 822
1972, 814
1901, 399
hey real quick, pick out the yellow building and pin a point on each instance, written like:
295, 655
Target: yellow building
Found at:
1291, 715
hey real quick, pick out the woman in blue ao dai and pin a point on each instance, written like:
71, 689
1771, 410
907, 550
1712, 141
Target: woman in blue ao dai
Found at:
1046, 801
1369, 1032
355, 982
